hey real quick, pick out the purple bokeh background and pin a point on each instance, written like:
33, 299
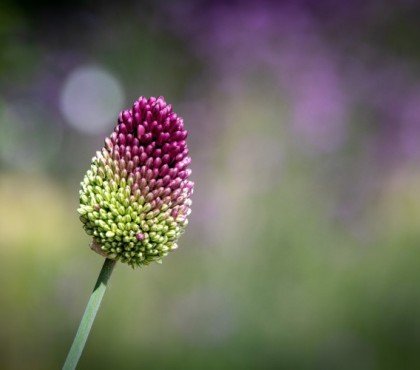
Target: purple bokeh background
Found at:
304, 132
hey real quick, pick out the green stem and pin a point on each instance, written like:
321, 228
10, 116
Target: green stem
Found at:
89, 316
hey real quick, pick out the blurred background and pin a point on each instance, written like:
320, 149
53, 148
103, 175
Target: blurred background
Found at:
303, 249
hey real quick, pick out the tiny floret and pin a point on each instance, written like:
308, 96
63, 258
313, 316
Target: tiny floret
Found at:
136, 197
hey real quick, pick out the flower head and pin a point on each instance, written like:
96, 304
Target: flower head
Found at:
135, 198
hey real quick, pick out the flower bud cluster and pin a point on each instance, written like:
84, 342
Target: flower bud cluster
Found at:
135, 198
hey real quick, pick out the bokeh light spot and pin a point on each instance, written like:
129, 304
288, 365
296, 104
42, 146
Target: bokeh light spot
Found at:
90, 99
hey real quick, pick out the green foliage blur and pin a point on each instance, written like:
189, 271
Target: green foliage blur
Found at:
303, 249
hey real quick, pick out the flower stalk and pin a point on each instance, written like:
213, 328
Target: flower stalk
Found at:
89, 315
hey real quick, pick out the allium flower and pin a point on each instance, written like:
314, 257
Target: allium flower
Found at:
135, 198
